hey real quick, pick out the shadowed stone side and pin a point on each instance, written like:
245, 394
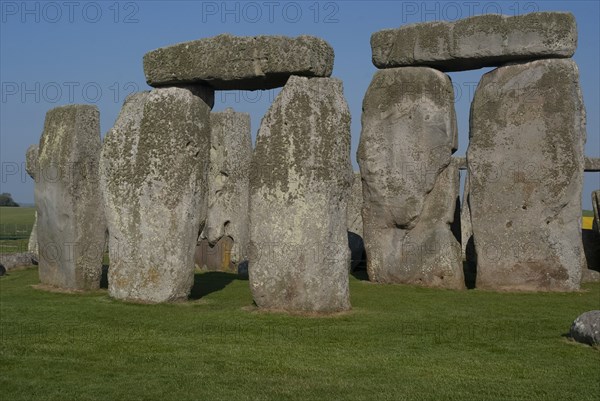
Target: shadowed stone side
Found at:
410, 186
465, 218
228, 183
239, 62
153, 169
355, 223
525, 161
476, 42
596, 207
299, 188
31, 166
70, 217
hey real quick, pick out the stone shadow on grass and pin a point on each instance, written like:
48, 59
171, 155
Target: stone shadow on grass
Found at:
207, 283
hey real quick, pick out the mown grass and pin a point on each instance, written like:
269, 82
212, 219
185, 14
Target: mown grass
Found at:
398, 343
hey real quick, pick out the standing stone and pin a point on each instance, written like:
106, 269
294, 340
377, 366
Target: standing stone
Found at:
299, 186
591, 245
596, 207
355, 223
228, 184
70, 217
525, 163
476, 42
465, 219
239, 62
31, 161
153, 169
217, 257
410, 186
355, 204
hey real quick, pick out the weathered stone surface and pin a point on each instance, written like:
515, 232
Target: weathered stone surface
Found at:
239, 62
460, 161
153, 172
586, 328
70, 217
228, 183
465, 218
215, 257
476, 42
13, 261
592, 164
299, 188
410, 187
355, 223
590, 276
525, 162
31, 161
355, 204
596, 207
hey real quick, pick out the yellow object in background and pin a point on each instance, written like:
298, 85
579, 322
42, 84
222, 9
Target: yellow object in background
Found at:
586, 223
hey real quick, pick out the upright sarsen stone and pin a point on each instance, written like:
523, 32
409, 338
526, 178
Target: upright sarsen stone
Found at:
70, 218
153, 172
525, 163
355, 222
596, 207
299, 187
31, 166
228, 183
410, 186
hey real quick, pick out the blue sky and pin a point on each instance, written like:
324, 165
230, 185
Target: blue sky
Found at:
58, 52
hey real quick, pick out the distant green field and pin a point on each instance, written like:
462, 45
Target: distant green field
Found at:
15, 227
588, 213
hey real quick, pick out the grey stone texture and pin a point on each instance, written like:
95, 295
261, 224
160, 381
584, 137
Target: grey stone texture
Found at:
476, 42
153, 172
586, 328
355, 204
355, 223
239, 62
299, 187
410, 186
592, 164
215, 257
525, 160
31, 161
228, 183
596, 207
70, 217
15, 261
465, 218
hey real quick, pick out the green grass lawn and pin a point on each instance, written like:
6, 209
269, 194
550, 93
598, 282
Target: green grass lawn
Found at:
398, 343
15, 227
